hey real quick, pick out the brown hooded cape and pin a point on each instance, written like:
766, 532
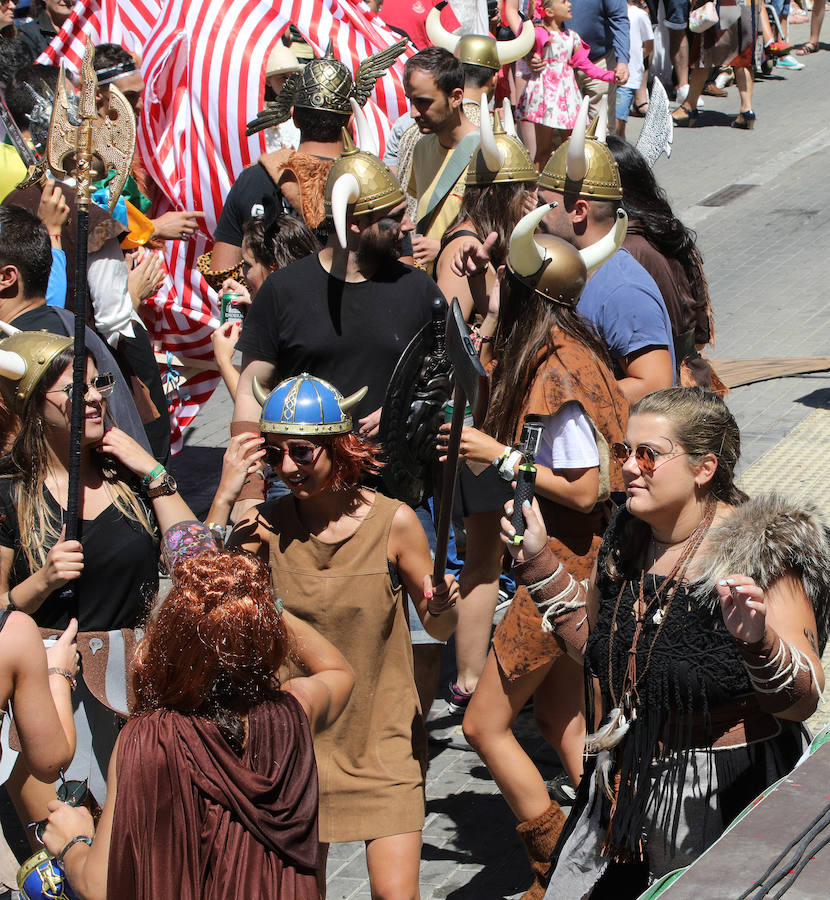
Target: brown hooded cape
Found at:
194, 821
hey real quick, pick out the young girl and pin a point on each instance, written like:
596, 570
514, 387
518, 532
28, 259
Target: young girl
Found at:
551, 98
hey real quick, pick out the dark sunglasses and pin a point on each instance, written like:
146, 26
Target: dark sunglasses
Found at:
301, 454
103, 383
72, 792
646, 457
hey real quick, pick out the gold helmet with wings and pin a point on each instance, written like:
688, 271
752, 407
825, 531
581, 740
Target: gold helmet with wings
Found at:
326, 84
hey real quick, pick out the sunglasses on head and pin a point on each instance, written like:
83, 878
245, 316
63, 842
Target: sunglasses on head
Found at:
103, 383
301, 454
646, 457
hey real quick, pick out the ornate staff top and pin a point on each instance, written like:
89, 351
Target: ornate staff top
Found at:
111, 139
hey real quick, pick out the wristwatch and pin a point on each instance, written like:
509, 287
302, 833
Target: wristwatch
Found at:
167, 485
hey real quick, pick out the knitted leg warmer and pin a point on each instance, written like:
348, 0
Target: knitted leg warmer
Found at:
539, 836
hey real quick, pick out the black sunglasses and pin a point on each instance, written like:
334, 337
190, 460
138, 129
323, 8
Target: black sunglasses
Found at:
301, 454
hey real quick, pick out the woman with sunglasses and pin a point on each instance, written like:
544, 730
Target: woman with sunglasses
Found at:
343, 558
702, 630
125, 497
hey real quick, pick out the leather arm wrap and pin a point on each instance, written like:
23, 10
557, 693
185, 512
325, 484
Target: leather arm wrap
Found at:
780, 673
254, 487
559, 598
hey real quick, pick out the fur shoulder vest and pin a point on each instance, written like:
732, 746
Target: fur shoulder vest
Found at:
765, 538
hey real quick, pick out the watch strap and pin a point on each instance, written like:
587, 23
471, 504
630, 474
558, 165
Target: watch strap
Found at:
166, 486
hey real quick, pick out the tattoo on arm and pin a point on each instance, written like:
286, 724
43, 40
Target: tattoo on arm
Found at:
811, 638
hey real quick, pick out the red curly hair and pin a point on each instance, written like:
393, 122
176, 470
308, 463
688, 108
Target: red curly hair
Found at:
351, 458
215, 644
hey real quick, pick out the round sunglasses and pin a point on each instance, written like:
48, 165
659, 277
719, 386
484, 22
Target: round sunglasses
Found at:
301, 454
645, 456
103, 383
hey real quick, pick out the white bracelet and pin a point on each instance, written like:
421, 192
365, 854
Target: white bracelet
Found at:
506, 468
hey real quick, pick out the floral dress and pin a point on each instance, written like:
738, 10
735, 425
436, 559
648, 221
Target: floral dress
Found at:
551, 96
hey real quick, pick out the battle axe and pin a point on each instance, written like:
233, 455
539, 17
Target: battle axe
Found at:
470, 387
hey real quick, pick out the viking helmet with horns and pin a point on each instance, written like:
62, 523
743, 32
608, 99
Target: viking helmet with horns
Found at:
479, 49
24, 358
583, 165
326, 84
500, 158
358, 182
553, 267
306, 405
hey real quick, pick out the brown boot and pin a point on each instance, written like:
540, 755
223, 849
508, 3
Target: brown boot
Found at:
540, 836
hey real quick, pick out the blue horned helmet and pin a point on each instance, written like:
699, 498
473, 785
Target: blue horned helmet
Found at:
306, 405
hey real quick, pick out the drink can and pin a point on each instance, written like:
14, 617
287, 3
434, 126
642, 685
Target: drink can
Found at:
229, 311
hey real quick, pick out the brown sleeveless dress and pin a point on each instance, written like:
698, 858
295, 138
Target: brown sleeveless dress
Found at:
371, 762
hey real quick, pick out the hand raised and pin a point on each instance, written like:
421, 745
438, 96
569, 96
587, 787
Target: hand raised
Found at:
743, 607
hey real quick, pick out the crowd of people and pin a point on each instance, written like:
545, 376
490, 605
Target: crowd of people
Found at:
273, 701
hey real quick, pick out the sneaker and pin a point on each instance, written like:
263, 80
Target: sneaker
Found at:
789, 62
776, 49
459, 700
560, 790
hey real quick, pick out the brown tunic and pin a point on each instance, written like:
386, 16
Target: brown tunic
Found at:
572, 374
371, 762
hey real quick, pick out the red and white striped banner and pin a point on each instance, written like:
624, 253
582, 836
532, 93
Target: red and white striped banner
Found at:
203, 63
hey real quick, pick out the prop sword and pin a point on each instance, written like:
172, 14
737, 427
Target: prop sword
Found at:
35, 165
112, 140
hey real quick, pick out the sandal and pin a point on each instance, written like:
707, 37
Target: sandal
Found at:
640, 109
807, 49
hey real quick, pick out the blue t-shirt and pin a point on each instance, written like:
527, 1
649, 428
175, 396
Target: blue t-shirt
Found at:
603, 25
624, 304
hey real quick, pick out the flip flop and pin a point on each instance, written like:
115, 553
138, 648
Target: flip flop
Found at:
807, 49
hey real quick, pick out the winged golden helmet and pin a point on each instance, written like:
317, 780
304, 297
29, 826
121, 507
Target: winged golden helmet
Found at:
326, 84
553, 267
479, 49
583, 165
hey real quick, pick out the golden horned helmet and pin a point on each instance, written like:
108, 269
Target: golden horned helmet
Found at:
358, 181
24, 358
583, 165
479, 49
326, 84
500, 157
553, 267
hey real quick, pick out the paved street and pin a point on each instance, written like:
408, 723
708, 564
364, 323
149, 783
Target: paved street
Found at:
767, 254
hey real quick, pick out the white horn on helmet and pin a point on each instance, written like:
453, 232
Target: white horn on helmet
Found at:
345, 190
509, 51
12, 365
598, 252
507, 118
494, 155
439, 35
576, 164
602, 119
525, 255
365, 139
9, 329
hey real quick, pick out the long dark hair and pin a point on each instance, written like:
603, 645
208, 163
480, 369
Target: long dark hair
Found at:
650, 213
494, 207
525, 337
26, 461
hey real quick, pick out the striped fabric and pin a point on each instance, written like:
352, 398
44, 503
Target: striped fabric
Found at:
202, 64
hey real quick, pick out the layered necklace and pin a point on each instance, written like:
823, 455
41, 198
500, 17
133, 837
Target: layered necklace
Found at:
625, 708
